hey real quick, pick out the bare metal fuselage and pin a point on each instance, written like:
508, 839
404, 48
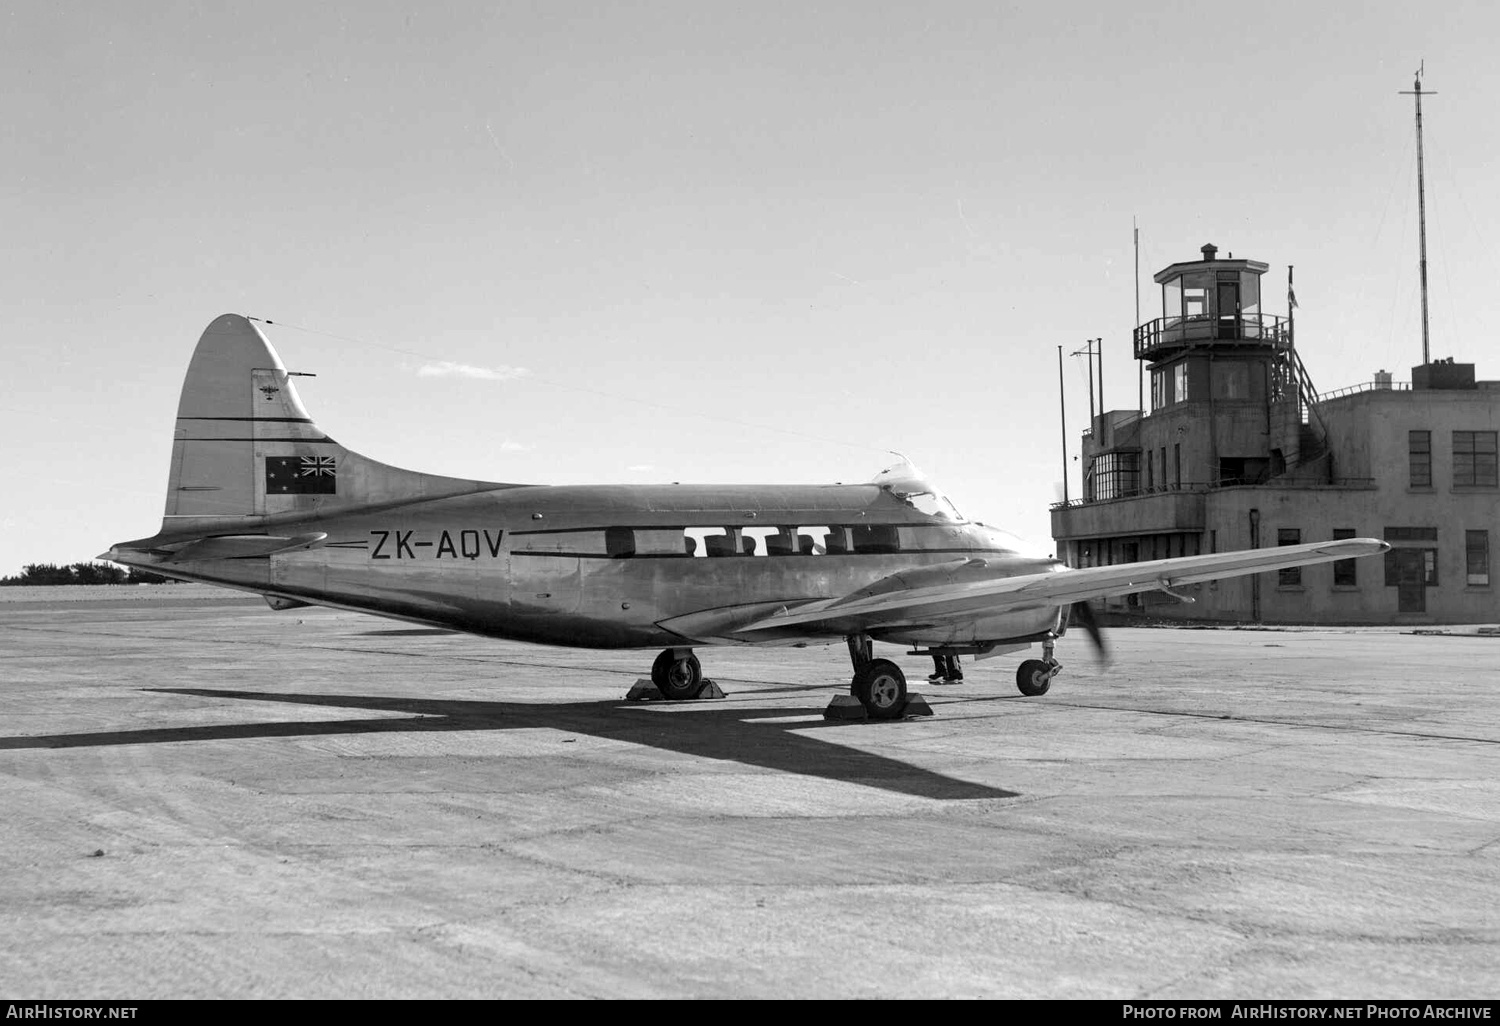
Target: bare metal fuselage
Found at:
628, 566
259, 497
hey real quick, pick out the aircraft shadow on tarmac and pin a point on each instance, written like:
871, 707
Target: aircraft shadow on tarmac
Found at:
728, 734
409, 632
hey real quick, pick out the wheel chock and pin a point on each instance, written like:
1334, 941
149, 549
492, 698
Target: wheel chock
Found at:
916, 705
645, 691
845, 707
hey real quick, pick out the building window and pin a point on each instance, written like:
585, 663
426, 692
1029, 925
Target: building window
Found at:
1413, 547
1291, 576
1477, 557
1177, 465
1116, 474
1195, 297
1158, 389
1231, 380
1425, 559
1344, 575
1419, 450
1474, 459
1180, 383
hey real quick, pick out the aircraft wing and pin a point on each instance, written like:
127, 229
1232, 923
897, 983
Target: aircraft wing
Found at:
965, 599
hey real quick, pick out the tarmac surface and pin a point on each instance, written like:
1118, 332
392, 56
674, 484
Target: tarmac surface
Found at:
204, 798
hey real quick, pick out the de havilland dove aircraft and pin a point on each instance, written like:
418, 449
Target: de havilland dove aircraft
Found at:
259, 498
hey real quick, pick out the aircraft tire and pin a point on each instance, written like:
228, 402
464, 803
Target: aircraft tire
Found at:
1034, 678
677, 679
881, 689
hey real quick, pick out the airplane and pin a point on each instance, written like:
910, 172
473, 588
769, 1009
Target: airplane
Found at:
259, 498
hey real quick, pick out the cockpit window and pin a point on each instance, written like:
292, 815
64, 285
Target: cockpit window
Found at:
908, 484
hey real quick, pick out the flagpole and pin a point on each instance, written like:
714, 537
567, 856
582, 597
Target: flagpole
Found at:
1291, 304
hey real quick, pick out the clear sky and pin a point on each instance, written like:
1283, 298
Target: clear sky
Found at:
558, 242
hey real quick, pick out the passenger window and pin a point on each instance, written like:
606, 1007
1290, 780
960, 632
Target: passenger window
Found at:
619, 542
700, 540
928, 538
811, 541
765, 541
660, 542
876, 538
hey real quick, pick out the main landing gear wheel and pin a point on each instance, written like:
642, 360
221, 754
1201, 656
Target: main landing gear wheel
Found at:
1034, 677
677, 677
881, 689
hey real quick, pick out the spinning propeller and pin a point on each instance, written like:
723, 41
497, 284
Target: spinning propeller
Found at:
1082, 614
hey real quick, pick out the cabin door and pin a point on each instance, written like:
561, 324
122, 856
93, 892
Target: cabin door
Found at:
1228, 309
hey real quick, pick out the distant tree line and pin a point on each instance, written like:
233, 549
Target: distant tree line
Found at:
82, 573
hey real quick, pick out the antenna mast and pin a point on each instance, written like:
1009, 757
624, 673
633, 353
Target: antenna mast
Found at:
1140, 367
1421, 208
1094, 349
1062, 404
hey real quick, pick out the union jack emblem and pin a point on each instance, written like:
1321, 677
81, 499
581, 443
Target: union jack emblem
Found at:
301, 475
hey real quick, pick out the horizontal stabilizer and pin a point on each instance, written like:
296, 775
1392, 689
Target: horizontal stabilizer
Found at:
245, 546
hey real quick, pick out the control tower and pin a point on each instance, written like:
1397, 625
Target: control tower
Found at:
1237, 451
1214, 344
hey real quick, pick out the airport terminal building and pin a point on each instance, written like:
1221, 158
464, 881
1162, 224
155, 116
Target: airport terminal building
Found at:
1238, 451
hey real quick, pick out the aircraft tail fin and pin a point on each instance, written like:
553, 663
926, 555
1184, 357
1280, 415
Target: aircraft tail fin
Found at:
246, 453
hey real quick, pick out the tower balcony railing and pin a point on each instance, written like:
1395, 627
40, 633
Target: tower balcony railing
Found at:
1367, 386
1168, 334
